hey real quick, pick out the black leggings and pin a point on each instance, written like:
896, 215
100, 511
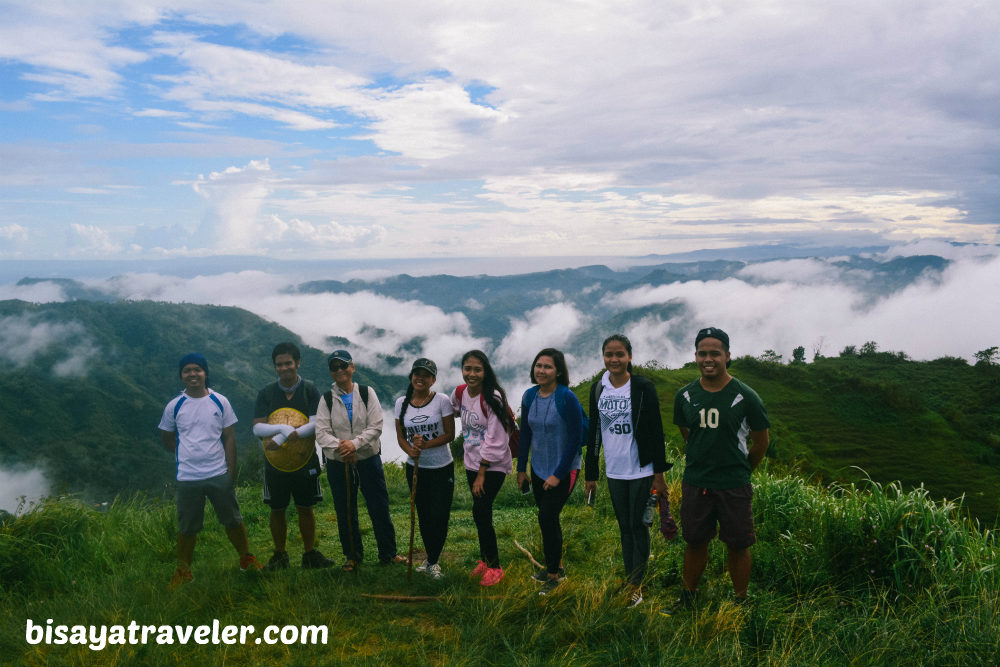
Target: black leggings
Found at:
435, 490
482, 514
550, 504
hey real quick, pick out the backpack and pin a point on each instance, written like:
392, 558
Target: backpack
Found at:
513, 437
362, 389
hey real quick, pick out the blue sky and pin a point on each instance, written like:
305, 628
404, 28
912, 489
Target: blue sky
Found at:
133, 129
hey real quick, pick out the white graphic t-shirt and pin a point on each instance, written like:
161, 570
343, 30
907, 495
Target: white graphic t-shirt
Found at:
621, 453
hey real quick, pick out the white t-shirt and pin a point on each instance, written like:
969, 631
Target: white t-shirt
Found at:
621, 452
427, 421
200, 453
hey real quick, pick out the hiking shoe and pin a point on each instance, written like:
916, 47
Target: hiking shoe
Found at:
492, 576
279, 561
634, 598
314, 560
549, 586
434, 571
683, 604
541, 576
180, 578
349, 566
249, 562
479, 570
422, 567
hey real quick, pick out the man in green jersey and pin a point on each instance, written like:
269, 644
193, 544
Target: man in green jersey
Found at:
716, 413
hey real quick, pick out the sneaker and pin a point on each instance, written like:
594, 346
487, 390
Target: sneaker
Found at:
349, 565
492, 576
479, 570
315, 560
180, 578
684, 603
249, 562
541, 576
422, 567
434, 571
549, 586
634, 598
279, 561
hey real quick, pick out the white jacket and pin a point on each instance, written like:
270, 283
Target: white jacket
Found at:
365, 430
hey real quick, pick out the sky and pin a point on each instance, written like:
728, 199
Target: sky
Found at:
133, 129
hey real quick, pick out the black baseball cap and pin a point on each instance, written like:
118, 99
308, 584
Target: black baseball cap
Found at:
425, 364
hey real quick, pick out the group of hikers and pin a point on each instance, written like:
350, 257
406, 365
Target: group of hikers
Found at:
722, 421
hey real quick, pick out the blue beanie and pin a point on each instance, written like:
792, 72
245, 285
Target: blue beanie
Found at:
193, 358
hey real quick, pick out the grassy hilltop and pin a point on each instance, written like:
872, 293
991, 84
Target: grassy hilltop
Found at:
841, 576
875, 415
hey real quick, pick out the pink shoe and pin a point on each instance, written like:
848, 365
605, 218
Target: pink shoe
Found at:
480, 570
494, 575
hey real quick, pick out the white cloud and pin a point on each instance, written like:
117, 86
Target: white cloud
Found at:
21, 486
546, 326
14, 232
92, 240
24, 337
298, 233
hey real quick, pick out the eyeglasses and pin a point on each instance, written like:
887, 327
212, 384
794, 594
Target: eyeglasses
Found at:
336, 368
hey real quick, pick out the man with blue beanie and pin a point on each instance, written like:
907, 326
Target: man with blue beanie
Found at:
197, 426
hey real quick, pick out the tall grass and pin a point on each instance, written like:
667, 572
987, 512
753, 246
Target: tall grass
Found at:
855, 574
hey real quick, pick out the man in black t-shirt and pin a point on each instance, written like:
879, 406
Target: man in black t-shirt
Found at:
284, 419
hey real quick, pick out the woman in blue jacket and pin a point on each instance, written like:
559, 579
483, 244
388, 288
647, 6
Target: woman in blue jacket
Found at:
551, 433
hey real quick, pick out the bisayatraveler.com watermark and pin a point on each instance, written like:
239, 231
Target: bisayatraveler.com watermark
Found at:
98, 637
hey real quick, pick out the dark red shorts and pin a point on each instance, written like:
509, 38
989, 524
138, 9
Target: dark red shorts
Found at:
730, 509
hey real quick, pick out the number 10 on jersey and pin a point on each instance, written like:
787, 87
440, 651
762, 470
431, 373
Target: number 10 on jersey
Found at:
709, 418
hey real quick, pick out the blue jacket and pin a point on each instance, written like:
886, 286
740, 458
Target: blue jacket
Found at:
570, 410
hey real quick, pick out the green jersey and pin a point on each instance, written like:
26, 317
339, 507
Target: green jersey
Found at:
718, 424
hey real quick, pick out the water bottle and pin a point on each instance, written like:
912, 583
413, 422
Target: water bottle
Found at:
649, 515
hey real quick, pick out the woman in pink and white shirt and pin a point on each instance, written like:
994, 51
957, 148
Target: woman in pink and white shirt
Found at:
486, 421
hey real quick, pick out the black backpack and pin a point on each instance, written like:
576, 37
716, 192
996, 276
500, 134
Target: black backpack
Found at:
362, 389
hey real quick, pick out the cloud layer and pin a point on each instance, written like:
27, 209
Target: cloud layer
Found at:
162, 128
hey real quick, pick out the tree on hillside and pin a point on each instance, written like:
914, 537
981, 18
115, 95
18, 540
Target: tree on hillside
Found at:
988, 357
769, 357
849, 351
868, 349
799, 355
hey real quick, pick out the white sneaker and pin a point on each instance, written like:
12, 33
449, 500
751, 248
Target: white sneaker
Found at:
422, 567
635, 599
434, 571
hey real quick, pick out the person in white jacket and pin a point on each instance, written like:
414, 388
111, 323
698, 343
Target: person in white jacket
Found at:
348, 430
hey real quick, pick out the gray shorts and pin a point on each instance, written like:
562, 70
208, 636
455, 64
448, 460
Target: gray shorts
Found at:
191, 503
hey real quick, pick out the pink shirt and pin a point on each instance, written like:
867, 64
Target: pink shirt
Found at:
483, 435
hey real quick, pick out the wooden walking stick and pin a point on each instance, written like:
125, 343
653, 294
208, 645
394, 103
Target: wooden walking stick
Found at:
350, 525
413, 506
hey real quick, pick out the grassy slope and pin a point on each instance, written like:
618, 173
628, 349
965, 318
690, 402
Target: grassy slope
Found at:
875, 577
846, 419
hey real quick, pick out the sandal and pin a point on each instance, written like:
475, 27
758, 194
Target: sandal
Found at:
398, 559
349, 566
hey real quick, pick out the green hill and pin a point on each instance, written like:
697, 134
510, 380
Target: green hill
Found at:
875, 415
84, 393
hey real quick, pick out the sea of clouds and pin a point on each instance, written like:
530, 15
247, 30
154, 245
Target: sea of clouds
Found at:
769, 305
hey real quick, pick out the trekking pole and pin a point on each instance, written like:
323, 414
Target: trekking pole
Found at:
350, 525
413, 511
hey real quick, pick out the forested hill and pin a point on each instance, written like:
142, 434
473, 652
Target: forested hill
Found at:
83, 384
875, 414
